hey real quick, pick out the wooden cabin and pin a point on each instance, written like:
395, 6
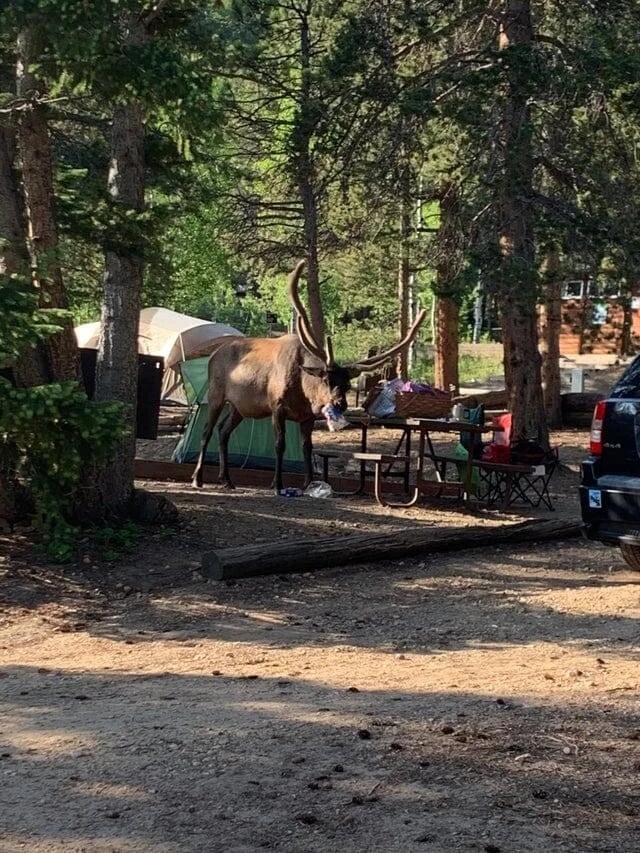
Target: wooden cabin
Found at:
594, 317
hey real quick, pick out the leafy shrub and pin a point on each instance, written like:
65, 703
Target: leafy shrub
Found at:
48, 436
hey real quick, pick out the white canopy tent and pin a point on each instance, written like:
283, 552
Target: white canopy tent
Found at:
168, 335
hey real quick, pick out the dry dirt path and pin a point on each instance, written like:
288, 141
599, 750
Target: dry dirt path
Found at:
486, 701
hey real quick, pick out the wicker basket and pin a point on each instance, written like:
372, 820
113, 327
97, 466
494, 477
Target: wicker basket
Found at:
413, 404
489, 399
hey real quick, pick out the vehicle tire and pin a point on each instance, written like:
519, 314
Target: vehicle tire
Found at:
631, 555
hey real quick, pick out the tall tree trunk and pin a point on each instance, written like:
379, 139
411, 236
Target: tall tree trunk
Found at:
585, 315
117, 361
626, 338
13, 250
60, 350
32, 367
305, 171
310, 212
13, 261
448, 242
446, 374
516, 239
478, 313
404, 274
550, 325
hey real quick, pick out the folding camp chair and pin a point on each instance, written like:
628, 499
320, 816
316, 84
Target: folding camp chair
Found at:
534, 488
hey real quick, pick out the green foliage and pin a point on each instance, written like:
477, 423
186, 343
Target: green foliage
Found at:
114, 541
22, 322
49, 435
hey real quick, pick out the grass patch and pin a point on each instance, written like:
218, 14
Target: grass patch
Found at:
472, 368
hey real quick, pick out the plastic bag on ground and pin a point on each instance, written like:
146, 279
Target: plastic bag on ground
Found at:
319, 489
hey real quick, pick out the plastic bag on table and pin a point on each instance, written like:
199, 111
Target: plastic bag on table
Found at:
384, 403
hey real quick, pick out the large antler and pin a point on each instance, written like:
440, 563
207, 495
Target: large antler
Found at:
378, 360
303, 326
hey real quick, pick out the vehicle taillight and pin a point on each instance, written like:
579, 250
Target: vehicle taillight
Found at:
596, 428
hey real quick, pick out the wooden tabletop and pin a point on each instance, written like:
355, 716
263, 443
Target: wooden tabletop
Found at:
427, 424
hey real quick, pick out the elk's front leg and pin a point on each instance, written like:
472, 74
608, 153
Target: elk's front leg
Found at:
230, 423
306, 428
214, 413
279, 426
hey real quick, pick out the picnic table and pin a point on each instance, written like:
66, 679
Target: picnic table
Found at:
502, 483
413, 470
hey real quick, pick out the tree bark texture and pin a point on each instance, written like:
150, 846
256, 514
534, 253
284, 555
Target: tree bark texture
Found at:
117, 362
448, 241
33, 367
626, 338
60, 350
13, 251
550, 327
319, 553
446, 344
516, 239
585, 315
404, 268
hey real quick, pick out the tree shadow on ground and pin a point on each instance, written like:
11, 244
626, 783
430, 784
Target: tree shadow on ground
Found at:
446, 603
169, 762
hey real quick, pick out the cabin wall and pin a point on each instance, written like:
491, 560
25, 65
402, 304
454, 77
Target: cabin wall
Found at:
590, 326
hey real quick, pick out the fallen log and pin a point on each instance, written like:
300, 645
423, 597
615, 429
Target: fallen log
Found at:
302, 556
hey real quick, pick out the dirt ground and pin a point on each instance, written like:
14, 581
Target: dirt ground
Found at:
485, 700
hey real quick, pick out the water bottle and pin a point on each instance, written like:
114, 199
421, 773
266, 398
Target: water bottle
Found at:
291, 492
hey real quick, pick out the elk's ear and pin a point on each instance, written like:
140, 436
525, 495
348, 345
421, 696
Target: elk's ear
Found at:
320, 372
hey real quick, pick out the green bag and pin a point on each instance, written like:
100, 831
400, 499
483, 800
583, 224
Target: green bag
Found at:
473, 441
460, 452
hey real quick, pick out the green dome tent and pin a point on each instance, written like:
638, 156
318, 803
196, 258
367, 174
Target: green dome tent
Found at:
252, 442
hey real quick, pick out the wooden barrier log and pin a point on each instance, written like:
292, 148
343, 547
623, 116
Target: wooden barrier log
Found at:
577, 409
301, 556
582, 402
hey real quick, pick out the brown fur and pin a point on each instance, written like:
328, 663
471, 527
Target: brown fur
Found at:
262, 377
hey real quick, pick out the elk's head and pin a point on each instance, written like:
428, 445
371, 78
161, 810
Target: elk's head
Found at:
336, 379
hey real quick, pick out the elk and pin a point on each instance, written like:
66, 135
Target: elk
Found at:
287, 378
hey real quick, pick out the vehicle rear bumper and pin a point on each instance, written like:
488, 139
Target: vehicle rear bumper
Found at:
610, 506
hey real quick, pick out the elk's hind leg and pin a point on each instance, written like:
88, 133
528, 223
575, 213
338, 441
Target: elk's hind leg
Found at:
231, 421
214, 414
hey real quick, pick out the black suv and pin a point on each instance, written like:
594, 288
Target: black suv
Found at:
610, 483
